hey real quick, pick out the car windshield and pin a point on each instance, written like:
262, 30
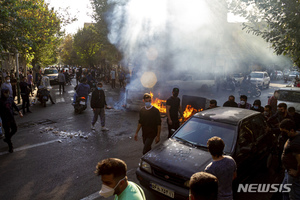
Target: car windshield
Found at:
197, 131
256, 75
295, 73
50, 71
291, 96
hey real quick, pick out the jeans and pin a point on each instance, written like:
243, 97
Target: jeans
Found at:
61, 84
147, 144
25, 100
294, 194
101, 113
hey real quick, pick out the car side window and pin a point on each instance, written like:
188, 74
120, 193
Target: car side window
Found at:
258, 126
245, 138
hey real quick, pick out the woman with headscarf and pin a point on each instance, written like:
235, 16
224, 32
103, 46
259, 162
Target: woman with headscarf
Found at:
7, 114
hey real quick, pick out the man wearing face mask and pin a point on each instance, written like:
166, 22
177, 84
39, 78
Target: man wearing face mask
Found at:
243, 103
7, 85
7, 115
115, 182
291, 158
98, 105
172, 108
150, 122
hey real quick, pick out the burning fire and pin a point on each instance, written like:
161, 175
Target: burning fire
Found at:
159, 104
190, 111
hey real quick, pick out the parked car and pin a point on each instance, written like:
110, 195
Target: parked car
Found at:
261, 79
279, 75
290, 96
293, 75
167, 168
52, 73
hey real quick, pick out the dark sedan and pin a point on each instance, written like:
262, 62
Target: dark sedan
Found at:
166, 169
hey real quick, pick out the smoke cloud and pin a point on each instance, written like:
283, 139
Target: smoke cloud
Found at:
171, 37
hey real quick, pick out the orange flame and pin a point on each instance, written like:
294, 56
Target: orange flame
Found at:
159, 104
190, 111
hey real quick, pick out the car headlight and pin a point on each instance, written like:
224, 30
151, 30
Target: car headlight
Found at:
145, 166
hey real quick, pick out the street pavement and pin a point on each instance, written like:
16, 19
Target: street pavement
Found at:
56, 152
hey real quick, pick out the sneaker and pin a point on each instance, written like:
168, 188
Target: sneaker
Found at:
104, 128
92, 127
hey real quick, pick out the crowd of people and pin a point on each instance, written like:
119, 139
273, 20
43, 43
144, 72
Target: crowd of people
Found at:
216, 180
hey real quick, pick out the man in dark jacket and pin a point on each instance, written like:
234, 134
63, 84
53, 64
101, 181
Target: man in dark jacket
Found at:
7, 114
82, 90
25, 95
98, 105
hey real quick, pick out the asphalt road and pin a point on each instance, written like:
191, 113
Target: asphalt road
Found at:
55, 151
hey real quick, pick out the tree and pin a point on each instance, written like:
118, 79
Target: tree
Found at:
276, 21
108, 51
67, 52
86, 44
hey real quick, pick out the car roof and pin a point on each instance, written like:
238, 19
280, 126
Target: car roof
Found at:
228, 115
290, 89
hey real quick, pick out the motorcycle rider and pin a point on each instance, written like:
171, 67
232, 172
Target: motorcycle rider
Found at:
82, 90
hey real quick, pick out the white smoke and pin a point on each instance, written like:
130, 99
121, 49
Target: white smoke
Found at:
169, 36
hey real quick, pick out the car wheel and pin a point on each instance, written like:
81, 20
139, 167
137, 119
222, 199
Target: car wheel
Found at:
268, 85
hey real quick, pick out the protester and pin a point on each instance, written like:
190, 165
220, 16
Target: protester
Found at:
7, 85
82, 90
257, 106
231, 102
223, 167
30, 81
243, 103
61, 81
98, 104
13, 82
203, 186
115, 181
113, 78
7, 115
272, 101
268, 111
25, 95
213, 104
291, 158
150, 122
296, 116
172, 108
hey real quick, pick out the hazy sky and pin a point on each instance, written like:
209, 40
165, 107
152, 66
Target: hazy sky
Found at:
81, 9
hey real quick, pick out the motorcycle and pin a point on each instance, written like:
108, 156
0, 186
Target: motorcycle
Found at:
229, 84
80, 104
251, 91
43, 93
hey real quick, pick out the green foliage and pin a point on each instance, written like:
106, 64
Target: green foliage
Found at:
276, 21
30, 27
87, 44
